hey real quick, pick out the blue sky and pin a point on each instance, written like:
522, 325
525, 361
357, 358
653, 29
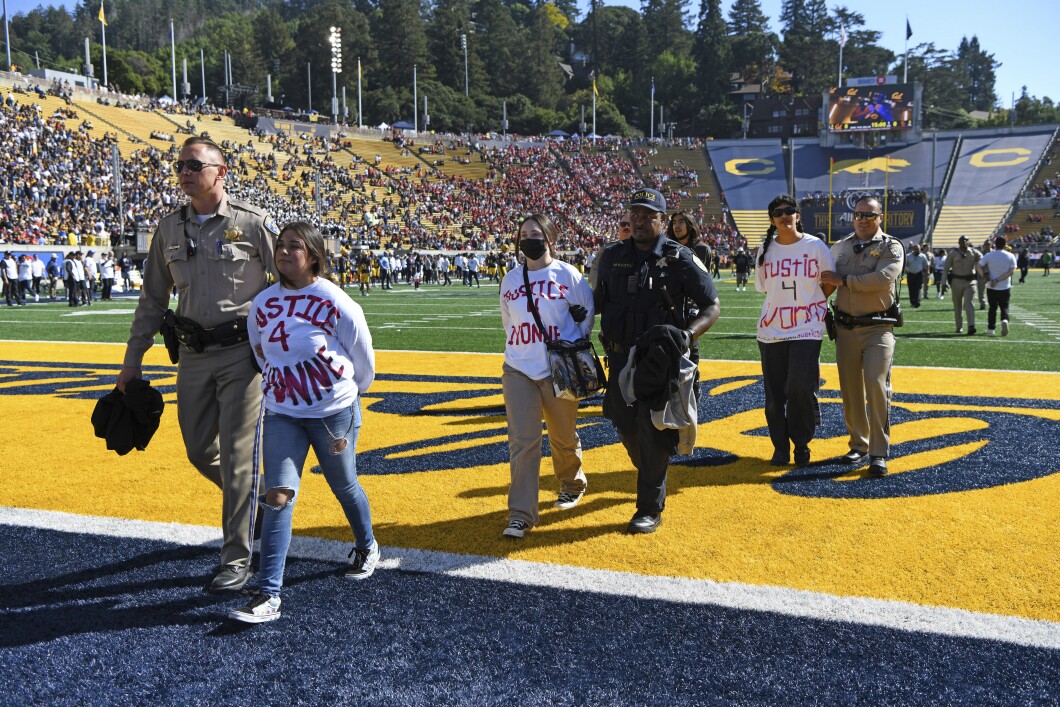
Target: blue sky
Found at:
1019, 33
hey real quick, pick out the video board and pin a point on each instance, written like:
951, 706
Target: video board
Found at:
884, 107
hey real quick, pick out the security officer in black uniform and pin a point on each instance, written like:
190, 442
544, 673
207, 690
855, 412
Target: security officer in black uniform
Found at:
645, 281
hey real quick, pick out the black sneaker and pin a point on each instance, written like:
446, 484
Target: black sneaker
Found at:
259, 609
364, 562
853, 457
516, 528
568, 500
802, 456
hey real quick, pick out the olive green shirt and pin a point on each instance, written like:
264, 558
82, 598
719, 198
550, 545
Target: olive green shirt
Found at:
870, 272
232, 263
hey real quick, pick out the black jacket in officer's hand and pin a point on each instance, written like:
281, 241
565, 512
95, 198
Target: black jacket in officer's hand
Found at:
658, 359
578, 313
127, 421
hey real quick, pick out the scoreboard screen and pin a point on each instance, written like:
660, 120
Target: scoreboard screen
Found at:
883, 107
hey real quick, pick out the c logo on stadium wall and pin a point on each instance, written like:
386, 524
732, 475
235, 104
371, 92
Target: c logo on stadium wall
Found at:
979, 159
946, 444
750, 166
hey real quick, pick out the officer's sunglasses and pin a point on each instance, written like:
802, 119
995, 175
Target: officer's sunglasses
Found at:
785, 211
192, 165
624, 224
866, 215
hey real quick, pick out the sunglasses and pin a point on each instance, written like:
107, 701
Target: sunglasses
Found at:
192, 165
866, 215
624, 224
784, 211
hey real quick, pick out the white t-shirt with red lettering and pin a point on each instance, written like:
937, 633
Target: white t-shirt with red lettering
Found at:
790, 277
555, 288
314, 348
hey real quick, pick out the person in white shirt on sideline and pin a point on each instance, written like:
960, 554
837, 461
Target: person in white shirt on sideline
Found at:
317, 360
790, 330
997, 267
564, 303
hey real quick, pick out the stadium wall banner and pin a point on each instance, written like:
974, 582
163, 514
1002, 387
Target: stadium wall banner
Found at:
992, 170
903, 221
904, 168
750, 172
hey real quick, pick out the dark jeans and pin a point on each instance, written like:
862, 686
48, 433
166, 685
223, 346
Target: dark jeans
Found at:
791, 375
996, 299
916, 286
648, 448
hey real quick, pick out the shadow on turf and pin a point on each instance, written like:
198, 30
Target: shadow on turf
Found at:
153, 589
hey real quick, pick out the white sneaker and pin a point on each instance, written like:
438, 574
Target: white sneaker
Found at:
1004, 327
364, 562
568, 500
989, 332
259, 609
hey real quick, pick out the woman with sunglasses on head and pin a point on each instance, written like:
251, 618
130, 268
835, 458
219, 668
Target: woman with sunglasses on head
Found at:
790, 330
564, 304
317, 359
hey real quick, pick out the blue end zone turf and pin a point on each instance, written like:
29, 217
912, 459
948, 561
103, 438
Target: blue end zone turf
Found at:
113, 620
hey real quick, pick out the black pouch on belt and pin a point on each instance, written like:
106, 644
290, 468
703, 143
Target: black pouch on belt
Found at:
169, 335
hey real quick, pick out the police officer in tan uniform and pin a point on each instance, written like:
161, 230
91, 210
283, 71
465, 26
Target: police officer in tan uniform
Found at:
218, 252
868, 262
959, 271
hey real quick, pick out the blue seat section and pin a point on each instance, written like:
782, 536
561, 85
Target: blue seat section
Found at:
988, 176
993, 170
901, 168
751, 173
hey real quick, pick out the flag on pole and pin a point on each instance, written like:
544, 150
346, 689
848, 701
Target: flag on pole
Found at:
595, 92
908, 29
653, 89
842, 36
102, 17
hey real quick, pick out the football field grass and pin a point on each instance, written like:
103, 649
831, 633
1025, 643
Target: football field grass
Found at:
465, 319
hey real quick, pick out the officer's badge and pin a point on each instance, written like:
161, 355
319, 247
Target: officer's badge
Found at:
233, 234
875, 252
271, 227
661, 263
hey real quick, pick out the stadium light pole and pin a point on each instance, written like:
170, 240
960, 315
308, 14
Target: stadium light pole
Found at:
463, 43
336, 68
7, 39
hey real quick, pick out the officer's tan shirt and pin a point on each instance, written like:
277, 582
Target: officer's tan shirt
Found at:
234, 254
962, 263
870, 274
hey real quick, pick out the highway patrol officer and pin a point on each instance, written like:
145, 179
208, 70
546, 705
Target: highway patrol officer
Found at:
644, 281
868, 262
959, 271
218, 252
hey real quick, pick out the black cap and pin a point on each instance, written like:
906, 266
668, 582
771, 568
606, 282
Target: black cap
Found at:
963, 238
648, 198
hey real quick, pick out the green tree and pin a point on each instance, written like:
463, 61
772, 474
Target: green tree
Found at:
976, 74
712, 54
497, 46
541, 76
862, 55
753, 46
664, 25
402, 42
810, 47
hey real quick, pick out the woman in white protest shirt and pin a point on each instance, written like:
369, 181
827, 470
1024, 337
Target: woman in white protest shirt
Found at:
791, 328
316, 355
564, 303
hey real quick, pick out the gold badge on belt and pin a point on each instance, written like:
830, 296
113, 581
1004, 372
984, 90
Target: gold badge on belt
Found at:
235, 233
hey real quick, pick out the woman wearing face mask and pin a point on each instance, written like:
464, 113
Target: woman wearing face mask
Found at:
790, 330
564, 303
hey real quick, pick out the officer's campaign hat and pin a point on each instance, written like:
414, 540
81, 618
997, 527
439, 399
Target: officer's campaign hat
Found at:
649, 199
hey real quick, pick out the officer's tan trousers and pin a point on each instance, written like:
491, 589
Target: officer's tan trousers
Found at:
218, 399
863, 357
964, 294
527, 403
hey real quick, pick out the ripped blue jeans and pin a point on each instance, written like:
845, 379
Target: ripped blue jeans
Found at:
285, 445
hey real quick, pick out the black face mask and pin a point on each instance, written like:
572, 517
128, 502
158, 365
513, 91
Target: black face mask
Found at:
533, 248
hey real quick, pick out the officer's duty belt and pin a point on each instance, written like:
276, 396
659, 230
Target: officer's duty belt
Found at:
197, 338
961, 277
849, 321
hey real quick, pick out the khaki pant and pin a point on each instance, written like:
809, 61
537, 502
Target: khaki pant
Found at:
863, 357
528, 402
218, 401
964, 295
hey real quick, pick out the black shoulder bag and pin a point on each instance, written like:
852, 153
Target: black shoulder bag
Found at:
575, 367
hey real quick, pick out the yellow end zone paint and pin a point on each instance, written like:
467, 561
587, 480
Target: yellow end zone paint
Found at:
989, 550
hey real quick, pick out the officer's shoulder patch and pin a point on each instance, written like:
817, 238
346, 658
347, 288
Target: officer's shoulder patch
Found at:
271, 227
896, 250
699, 263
